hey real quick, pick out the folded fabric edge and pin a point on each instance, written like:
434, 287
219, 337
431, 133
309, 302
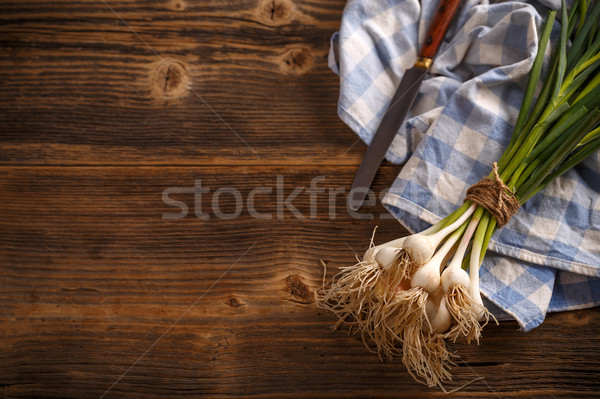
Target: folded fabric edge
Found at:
524, 324
580, 306
333, 56
391, 200
344, 114
543, 260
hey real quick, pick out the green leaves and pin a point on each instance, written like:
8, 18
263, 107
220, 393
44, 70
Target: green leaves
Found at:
561, 127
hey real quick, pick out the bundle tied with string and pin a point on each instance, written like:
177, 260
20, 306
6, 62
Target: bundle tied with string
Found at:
410, 296
495, 196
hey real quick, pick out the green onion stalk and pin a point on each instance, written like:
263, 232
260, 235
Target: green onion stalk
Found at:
407, 297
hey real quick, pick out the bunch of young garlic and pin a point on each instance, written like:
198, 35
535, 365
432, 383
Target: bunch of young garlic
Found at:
407, 295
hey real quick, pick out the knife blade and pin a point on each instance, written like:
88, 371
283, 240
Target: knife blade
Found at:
401, 103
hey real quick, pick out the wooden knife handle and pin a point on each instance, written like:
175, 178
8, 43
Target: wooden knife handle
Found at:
437, 30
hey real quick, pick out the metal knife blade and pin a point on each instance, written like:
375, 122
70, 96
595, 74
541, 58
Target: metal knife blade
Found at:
401, 102
392, 120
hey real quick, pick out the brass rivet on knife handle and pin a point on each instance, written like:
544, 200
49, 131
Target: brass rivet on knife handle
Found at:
423, 62
438, 27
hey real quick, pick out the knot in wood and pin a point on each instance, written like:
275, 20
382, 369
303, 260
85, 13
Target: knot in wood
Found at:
298, 289
495, 196
176, 5
234, 302
296, 61
169, 79
275, 12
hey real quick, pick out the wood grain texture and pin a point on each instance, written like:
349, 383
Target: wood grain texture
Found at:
103, 294
204, 82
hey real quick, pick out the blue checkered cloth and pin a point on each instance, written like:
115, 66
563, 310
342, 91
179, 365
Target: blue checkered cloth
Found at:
548, 256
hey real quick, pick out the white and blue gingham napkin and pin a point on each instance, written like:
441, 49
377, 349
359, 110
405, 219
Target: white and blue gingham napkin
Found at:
548, 257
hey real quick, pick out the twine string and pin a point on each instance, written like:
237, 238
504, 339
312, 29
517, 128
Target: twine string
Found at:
495, 196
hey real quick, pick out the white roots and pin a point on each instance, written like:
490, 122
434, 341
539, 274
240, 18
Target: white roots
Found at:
362, 295
466, 313
406, 308
426, 356
392, 318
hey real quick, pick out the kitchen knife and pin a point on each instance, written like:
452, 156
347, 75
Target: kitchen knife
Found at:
400, 104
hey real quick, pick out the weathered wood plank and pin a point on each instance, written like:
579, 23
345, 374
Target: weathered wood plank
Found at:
192, 85
92, 277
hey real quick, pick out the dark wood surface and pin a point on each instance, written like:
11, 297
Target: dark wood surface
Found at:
104, 106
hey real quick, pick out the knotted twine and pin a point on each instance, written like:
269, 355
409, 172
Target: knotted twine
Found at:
495, 196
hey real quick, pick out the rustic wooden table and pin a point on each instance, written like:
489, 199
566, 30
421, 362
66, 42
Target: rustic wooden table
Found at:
145, 147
